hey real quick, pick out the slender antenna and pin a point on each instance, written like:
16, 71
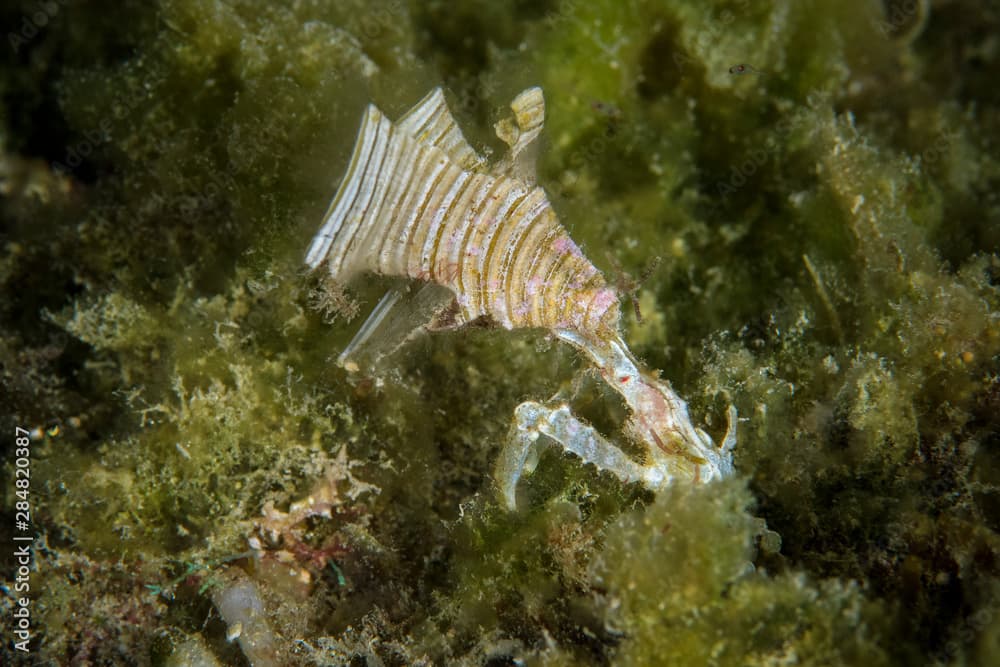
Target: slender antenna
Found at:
628, 286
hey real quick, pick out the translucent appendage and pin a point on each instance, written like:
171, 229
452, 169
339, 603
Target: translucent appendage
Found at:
558, 424
399, 317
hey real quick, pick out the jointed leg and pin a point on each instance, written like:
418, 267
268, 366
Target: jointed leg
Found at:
556, 422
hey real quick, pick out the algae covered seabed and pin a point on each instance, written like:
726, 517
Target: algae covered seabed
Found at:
827, 224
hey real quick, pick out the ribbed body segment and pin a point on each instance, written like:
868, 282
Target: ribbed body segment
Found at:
417, 202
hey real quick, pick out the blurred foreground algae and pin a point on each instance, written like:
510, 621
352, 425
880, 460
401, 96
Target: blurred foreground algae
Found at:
829, 231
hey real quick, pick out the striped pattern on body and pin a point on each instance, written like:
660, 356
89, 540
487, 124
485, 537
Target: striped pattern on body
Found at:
417, 202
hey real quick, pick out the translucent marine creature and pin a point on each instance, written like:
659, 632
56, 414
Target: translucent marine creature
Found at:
743, 68
418, 202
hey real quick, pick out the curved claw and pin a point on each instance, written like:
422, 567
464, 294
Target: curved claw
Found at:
513, 457
724, 460
729, 442
557, 423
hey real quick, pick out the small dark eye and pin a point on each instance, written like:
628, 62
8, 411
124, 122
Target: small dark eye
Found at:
743, 68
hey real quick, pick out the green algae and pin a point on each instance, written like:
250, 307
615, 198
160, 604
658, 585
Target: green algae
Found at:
690, 594
828, 231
